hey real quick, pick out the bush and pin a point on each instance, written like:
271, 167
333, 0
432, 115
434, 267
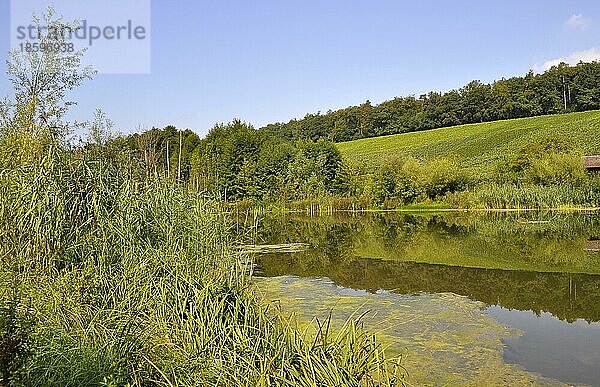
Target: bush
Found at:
442, 176
395, 181
556, 169
407, 180
552, 160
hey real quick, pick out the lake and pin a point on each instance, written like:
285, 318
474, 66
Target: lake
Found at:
490, 298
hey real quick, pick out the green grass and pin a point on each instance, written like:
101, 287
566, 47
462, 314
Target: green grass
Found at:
114, 282
480, 147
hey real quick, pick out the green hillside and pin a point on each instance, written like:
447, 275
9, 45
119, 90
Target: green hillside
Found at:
479, 146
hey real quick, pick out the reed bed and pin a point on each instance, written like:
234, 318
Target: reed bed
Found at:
107, 281
497, 196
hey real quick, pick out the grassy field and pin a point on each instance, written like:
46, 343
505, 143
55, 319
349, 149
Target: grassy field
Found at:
480, 146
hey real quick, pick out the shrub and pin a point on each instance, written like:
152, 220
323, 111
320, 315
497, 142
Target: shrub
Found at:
556, 169
406, 180
396, 181
552, 160
443, 175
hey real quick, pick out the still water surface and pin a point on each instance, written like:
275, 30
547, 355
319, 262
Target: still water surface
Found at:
504, 298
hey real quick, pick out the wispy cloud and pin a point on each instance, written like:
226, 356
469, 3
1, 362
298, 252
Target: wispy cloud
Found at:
577, 22
593, 54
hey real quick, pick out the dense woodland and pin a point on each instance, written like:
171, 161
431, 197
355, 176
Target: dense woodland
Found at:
299, 160
561, 89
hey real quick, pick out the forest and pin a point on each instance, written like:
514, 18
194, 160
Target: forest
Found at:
503, 165
560, 89
300, 161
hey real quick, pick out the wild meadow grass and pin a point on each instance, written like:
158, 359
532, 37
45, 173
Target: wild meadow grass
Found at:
109, 281
498, 196
480, 147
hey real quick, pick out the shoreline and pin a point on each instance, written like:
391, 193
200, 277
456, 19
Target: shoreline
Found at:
317, 211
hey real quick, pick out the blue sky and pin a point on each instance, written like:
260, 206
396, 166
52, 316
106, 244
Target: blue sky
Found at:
267, 61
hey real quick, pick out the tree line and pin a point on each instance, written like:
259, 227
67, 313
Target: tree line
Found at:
561, 89
299, 160
237, 162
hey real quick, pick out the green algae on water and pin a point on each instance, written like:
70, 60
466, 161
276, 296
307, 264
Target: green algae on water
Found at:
442, 338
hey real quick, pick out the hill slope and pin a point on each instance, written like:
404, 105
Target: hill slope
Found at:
479, 146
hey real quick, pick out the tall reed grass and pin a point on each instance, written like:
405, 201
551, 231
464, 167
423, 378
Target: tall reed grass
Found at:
109, 281
502, 196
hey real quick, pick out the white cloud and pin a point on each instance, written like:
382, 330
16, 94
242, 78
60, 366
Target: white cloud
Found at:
593, 54
577, 22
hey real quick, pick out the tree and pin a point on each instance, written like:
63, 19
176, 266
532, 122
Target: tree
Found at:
32, 120
474, 97
100, 131
501, 104
41, 81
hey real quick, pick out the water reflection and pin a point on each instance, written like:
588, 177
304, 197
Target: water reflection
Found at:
569, 352
495, 259
566, 296
538, 272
